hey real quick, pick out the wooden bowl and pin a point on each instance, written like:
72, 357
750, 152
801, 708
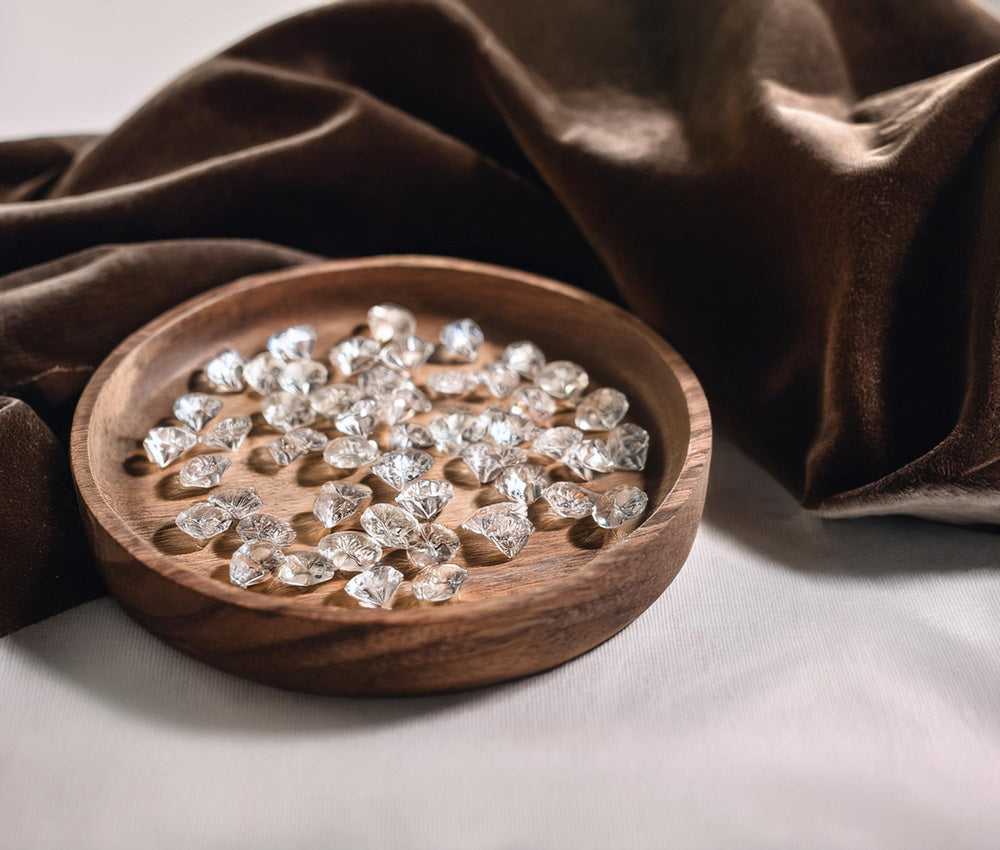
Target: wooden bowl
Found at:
572, 587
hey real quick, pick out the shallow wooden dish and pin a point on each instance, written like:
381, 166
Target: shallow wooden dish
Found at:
572, 587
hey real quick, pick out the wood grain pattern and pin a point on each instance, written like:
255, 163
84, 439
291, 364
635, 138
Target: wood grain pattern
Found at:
572, 587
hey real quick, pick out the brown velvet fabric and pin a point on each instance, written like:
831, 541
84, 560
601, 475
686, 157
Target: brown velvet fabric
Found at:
801, 194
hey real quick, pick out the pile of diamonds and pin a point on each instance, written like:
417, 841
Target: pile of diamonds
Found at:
380, 389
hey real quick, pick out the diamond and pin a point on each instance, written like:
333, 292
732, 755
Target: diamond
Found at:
503, 525
262, 373
228, 434
463, 338
619, 505
287, 411
376, 587
389, 525
388, 321
601, 410
333, 400
294, 343
350, 551
203, 471
588, 457
425, 498
487, 516
265, 527
436, 584
284, 451
350, 452
455, 429
432, 544
628, 446
196, 409
499, 379
305, 569
502, 427
303, 376
563, 379
410, 435
225, 371
203, 520
568, 499
337, 500
522, 483
487, 459
410, 353
164, 445
404, 403
524, 357
452, 382
359, 419
238, 502
398, 467
556, 442
382, 380
307, 439
356, 354
533, 402
254, 562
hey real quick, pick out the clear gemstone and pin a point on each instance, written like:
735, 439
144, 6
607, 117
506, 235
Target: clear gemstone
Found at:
568, 499
524, 357
303, 376
389, 525
356, 354
432, 544
350, 551
499, 379
452, 382
164, 445
238, 502
425, 498
388, 321
455, 429
410, 352
295, 343
522, 483
503, 525
203, 471
563, 379
333, 400
381, 381
375, 588
307, 439
628, 446
556, 442
254, 562
284, 451
533, 402
228, 434
350, 452
410, 435
601, 410
305, 569
588, 457
436, 584
396, 468
196, 409
225, 371
262, 373
619, 505
463, 338
487, 516
337, 500
404, 403
487, 459
287, 411
502, 427
203, 520
359, 419
265, 527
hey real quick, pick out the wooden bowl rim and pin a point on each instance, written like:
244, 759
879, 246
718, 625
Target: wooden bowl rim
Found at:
167, 567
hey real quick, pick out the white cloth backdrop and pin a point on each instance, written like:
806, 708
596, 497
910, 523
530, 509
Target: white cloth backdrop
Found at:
802, 683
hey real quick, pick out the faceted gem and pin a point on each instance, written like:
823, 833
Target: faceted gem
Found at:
522, 483
356, 354
534, 403
238, 502
389, 525
307, 439
601, 410
337, 500
499, 379
402, 404
333, 400
502, 427
628, 446
452, 382
409, 353
486, 516
295, 343
425, 498
568, 499
265, 527
306, 568
381, 381
350, 452
262, 373
284, 451
524, 357
375, 588
410, 435
203, 471
398, 467
556, 442
196, 409
203, 520
463, 338
563, 379
588, 457
164, 445
436, 584
432, 544
287, 411
455, 429
228, 434
225, 371
619, 505
487, 459
350, 551
359, 419
503, 525
253, 562
388, 321
303, 376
